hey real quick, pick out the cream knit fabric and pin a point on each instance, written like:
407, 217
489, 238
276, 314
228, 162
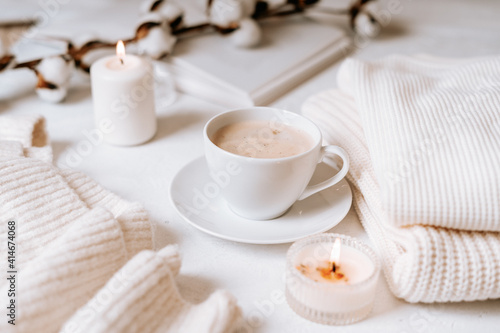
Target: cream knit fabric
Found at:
433, 132
144, 290
422, 263
73, 241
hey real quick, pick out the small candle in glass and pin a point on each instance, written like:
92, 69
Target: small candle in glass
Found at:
331, 279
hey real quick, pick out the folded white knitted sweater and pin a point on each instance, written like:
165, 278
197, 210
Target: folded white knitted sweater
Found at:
74, 240
422, 263
433, 131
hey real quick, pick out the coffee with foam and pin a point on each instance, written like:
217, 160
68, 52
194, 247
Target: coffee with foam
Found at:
262, 139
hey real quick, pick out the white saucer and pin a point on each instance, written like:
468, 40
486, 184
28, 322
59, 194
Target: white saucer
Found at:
316, 214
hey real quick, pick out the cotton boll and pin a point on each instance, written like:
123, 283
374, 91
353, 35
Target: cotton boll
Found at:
247, 35
56, 72
223, 13
155, 41
55, 69
158, 43
366, 25
52, 95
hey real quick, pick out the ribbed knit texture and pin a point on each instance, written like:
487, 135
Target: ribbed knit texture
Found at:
152, 303
433, 131
73, 237
421, 263
69, 270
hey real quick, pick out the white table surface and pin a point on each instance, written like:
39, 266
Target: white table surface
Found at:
254, 273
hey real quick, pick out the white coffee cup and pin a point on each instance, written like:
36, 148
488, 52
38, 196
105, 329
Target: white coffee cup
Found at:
265, 188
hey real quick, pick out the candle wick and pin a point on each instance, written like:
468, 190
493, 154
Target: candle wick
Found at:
121, 60
334, 267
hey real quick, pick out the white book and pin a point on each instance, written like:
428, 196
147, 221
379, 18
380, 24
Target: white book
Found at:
293, 49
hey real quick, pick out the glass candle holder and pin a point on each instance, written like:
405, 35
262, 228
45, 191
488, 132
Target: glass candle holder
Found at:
328, 287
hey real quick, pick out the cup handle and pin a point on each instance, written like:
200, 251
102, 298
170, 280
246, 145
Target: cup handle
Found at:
328, 150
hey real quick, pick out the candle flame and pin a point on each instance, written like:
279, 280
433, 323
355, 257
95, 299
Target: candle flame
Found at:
120, 50
335, 255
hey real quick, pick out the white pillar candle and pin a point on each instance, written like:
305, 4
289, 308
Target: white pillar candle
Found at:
331, 287
123, 95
